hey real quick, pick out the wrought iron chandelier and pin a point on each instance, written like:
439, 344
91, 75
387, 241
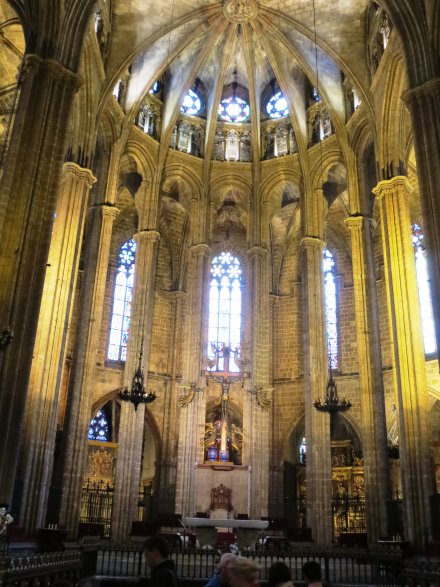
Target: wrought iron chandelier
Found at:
136, 395
332, 404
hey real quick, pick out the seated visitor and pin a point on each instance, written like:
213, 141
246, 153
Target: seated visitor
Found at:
312, 573
243, 572
279, 575
163, 574
220, 579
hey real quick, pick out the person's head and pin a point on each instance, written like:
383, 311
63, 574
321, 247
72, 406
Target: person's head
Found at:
312, 571
223, 565
242, 572
278, 573
156, 551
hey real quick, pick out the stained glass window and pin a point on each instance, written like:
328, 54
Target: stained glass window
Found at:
99, 427
277, 106
234, 109
191, 103
331, 318
117, 348
154, 88
315, 95
303, 451
426, 313
224, 310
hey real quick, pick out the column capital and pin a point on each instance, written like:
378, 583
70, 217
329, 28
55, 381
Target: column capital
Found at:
80, 173
257, 251
105, 208
200, 249
359, 220
33, 63
313, 242
147, 235
387, 186
423, 91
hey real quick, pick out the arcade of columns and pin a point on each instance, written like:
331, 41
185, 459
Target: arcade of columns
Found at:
39, 261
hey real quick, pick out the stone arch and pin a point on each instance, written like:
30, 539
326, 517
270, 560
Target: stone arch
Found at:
392, 143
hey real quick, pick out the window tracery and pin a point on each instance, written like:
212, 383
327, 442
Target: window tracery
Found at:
191, 103
278, 140
122, 296
224, 304
234, 109
277, 106
187, 137
99, 428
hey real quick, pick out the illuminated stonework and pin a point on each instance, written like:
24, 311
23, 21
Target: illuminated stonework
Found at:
240, 10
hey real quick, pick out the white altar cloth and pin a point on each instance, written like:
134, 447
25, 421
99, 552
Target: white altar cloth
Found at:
226, 523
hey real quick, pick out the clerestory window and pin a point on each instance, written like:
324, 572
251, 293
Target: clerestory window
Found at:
426, 313
331, 317
120, 323
225, 292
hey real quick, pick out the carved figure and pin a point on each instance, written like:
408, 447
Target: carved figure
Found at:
190, 390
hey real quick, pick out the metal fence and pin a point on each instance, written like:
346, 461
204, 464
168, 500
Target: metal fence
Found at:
357, 568
96, 509
41, 569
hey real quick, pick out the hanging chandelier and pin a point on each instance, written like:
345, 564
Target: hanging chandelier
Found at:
331, 403
136, 395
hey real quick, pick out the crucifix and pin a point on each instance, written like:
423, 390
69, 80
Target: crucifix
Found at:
220, 370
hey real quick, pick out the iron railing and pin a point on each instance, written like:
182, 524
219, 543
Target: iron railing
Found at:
41, 569
96, 509
357, 568
385, 567
348, 517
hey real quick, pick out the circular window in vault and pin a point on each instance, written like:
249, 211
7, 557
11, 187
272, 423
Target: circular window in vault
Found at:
234, 109
277, 106
191, 104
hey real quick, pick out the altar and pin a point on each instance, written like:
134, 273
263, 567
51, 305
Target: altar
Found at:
247, 531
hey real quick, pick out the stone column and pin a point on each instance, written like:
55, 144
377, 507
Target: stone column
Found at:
131, 426
168, 458
40, 425
374, 433
317, 424
192, 418
257, 436
28, 195
78, 412
409, 364
424, 106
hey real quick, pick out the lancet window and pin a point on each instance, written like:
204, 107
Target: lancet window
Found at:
99, 428
224, 310
331, 317
426, 312
120, 323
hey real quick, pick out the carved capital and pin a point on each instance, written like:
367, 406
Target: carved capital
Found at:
147, 236
313, 242
426, 90
201, 249
359, 220
34, 64
81, 174
257, 252
391, 186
